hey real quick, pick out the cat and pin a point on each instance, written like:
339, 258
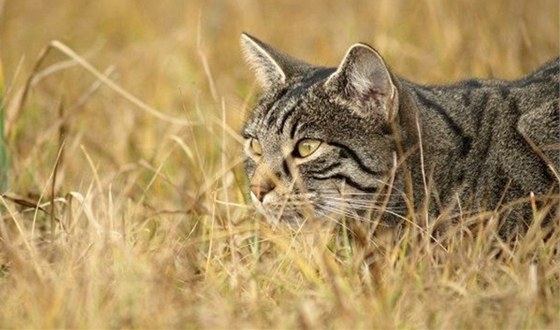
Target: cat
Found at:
358, 140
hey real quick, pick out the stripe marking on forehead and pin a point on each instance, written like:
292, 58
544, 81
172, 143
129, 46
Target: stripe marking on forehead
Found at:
284, 102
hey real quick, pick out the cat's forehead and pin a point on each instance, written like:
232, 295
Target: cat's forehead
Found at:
299, 86
297, 93
280, 114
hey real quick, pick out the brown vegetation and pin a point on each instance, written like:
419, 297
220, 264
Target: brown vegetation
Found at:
127, 202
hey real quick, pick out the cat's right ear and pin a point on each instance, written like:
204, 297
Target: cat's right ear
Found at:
272, 68
363, 81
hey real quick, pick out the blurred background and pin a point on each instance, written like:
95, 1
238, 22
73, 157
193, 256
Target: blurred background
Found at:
146, 223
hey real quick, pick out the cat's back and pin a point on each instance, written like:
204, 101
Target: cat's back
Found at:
549, 71
469, 105
490, 133
545, 80
539, 123
539, 87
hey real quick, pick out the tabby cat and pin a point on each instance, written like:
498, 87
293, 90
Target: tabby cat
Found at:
359, 142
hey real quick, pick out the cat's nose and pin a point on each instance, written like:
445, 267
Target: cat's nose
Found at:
261, 189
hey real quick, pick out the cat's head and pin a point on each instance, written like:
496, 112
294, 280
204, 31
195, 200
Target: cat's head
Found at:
318, 143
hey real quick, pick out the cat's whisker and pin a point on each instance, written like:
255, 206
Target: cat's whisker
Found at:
347, 193
394, 212
348, 214
357, 194
362, 203
348, 206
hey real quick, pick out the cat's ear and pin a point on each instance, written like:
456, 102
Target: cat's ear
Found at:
272, 67
363, 80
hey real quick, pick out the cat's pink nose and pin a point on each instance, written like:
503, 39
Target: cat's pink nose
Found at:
260, 190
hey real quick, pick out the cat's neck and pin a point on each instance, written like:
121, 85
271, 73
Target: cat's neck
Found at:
432, 141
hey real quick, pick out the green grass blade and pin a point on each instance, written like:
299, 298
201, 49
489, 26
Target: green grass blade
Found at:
4, 160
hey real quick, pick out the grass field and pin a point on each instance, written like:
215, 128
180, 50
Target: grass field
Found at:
126, 204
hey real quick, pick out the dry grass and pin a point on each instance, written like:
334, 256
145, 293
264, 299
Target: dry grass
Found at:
143, 220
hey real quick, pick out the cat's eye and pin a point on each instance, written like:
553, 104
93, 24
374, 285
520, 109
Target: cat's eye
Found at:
255, 146
307, 147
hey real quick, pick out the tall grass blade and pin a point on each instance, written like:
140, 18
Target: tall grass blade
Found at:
4, 160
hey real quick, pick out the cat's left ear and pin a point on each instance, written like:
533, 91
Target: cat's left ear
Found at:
363, 80
272, 67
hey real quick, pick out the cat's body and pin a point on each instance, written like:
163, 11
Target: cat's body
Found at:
350, 141
488, 143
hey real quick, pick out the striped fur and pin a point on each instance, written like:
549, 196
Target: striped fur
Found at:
388, 143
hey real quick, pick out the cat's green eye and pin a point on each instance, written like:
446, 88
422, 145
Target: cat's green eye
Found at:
307, 147
255, 146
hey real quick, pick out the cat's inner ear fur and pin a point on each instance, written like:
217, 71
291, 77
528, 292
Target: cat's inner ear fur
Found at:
272, 67
363, 81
